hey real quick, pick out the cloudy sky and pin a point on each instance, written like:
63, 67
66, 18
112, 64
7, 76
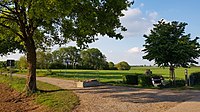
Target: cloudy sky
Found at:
139, 19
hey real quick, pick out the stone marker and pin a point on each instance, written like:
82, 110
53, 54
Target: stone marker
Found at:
87, 83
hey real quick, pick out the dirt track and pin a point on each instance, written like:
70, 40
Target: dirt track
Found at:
123, 99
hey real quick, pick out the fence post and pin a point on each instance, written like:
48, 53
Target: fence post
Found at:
186, 77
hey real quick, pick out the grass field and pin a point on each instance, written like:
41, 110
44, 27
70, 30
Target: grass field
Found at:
113, 75
48, 95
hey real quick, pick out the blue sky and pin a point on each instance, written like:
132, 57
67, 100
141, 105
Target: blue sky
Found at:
139, 19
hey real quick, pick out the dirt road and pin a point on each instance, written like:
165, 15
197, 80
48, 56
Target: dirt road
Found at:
123, 99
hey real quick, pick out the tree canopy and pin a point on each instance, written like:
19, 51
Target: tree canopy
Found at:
42, 23
123, 66
168, 45
94, 59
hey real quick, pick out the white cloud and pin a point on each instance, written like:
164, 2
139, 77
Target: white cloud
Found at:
137, 22
135, 50
142, 5
153, 15
12, 56
132, 13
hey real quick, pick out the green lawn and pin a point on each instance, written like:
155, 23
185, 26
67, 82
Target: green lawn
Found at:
113, 75
48, 95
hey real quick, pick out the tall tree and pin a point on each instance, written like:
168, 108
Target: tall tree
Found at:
67, 55
73, 56
94, 59
168, 45
43, 59
42, 23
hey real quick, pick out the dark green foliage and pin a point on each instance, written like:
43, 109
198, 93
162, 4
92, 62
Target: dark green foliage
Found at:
93, 59
57, 66
123, 66
43, 59
195, 78
178, 83
168, 45
77, 21
69, 55
2, 64
145, 80
140, 79
111, 66
9, 45
131, 79
31, 24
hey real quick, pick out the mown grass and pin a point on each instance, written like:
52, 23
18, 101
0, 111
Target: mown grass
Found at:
113, 75
53, 97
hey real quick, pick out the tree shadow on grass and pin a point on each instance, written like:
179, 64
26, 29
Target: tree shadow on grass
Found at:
51, 91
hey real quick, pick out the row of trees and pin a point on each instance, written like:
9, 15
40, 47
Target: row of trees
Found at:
73, 58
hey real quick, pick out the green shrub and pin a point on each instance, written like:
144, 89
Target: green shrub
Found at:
57, 66
178, 83
123, 66
195, 78
145, 80
131, 79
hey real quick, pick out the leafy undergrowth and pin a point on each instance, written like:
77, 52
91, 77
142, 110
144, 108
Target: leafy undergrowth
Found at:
53, 97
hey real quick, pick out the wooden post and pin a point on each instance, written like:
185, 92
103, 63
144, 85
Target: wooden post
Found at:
186, 77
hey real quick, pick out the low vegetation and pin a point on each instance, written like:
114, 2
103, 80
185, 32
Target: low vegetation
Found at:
117, 77
48, 95
195, 78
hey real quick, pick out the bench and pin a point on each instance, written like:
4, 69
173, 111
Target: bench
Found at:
157, 81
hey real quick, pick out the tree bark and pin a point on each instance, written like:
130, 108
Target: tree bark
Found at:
31, 59
172, 74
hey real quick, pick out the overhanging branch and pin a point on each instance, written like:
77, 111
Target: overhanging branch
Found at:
14, 31
5, 6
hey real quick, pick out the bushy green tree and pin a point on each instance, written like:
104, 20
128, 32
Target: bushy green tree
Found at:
93, 59
168, 45
43, 59
111, 66
67, 55
31, 24
123, 66
22, 63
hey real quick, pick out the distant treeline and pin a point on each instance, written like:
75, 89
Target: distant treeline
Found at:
72, 58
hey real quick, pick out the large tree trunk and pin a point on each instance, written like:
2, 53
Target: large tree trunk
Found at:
31, 59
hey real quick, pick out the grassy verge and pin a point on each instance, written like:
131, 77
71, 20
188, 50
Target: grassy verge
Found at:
55, 98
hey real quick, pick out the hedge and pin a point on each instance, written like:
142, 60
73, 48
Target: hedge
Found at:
139, 79
131, 79
145, 80
195, 78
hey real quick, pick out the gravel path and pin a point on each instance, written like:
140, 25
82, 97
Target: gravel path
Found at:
123, 99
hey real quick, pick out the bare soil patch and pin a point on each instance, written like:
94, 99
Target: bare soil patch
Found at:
13, 101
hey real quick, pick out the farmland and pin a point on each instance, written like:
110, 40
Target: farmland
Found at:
112, 75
